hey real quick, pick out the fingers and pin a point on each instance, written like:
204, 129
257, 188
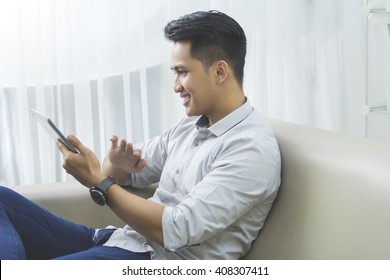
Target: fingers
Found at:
63, 149
124, 156
123, 145
126, 147
129, 148
136, 152
142, 163
84, 166
114, 142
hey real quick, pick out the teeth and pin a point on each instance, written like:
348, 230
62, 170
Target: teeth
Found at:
185, 99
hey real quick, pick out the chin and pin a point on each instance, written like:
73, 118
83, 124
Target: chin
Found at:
191, 114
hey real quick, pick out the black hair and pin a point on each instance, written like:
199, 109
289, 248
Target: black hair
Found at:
213, 36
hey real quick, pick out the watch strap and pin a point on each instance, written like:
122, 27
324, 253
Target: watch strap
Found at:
106, 184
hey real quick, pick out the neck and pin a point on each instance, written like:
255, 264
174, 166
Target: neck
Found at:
230, 100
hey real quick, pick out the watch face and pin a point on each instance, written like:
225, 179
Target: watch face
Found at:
98, 197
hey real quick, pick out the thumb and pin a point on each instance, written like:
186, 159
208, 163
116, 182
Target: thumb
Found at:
76, 143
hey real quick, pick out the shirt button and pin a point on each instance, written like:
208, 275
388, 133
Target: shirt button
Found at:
177, 171
196, 143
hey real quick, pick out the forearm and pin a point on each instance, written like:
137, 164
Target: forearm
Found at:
109, 170
142, 215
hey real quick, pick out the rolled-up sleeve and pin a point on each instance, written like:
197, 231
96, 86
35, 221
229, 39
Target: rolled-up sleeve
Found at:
173, 221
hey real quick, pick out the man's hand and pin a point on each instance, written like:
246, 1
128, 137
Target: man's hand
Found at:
84, 166
124, 157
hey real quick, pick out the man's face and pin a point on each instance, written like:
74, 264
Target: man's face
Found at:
194, 84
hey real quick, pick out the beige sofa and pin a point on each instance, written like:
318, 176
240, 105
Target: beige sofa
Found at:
334, 201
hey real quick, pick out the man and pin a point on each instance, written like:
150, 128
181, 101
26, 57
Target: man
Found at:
218, 169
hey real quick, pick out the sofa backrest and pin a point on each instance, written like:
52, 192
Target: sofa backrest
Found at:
334, 200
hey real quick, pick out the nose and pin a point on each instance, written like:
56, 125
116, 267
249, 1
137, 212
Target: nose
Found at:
177, 87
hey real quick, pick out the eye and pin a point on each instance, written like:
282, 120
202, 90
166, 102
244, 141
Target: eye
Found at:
180, 72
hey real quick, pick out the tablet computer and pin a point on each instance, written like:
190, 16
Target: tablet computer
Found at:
52, 129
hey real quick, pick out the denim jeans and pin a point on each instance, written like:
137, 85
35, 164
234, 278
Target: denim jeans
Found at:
28, 231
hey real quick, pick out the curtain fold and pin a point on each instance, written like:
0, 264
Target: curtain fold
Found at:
101, 67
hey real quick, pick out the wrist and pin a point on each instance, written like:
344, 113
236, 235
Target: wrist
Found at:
98, 179
99, 192
110, 170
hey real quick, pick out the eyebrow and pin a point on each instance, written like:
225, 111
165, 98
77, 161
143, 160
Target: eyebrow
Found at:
178, 67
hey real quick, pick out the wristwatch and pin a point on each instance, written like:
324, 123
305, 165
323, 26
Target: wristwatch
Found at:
99, 192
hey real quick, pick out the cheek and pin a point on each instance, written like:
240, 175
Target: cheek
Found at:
198, 88
186, 82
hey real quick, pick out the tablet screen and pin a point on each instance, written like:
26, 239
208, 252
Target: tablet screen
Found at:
52, 129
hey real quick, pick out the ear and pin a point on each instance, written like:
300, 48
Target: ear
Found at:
221, 71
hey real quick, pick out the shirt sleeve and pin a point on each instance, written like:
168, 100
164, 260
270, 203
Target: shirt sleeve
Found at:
243, 173
155, 152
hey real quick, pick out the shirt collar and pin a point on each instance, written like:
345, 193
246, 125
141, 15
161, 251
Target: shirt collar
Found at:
228, 121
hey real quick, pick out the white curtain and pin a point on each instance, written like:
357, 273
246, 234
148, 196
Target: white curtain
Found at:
101, 67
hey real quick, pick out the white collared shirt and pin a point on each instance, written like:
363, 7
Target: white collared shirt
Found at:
217, 183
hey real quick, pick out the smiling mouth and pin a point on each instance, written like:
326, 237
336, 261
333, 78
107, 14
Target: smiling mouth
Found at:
185, 98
